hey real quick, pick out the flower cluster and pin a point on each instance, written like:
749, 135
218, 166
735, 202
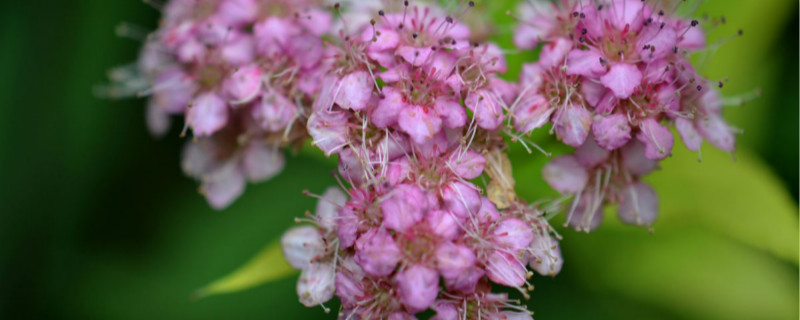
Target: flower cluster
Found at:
611, 77
415, 113
241, 72
412, 105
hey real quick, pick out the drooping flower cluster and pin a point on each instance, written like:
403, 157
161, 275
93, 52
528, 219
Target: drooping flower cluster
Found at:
415, 111
396, 109
242, 73
611, 77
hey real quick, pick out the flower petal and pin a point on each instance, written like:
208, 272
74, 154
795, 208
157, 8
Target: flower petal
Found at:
622, 79
565, 174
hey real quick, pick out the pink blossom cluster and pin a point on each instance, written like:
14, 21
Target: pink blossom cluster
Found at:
241, 73
611, 77
415, 113
413, 107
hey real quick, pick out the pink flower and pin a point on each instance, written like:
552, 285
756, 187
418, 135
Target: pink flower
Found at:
417, 287
388, 109
329, 130
512, 234
587, 63
554, 53
611, 132
539, 21
443, 224
590, 154
208, 114
356, 91
453, 260
419, 122
461, 198
224, 174
404, 207
657, 139
638, 205
587, 214
635, 161
301, 245
572, 124
466, 281
316, 284
545, 255
486, 109
622, 79
505, 269
565, 174
244, 84
274, 112
532, 112
467, 165
328, 206
377, 253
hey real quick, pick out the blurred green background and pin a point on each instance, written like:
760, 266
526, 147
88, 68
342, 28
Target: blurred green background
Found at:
98, 222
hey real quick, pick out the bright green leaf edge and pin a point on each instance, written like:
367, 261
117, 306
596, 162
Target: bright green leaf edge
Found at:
268, 265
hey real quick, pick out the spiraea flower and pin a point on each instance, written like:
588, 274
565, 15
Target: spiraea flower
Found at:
612, 76
243, 74
411, 102
415, 113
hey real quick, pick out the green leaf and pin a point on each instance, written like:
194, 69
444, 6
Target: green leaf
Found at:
725, 245
740, 199
751, 61
268, 265
688, 271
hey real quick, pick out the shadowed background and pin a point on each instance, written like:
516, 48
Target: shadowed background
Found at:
98, 222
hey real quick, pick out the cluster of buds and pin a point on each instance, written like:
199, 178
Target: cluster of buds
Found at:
415, 113
241, 72
426, 217
611, 77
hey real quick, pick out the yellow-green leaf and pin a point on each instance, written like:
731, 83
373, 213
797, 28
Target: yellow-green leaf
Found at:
738, 199
725, 245
750, 61
690, 272
267, 265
